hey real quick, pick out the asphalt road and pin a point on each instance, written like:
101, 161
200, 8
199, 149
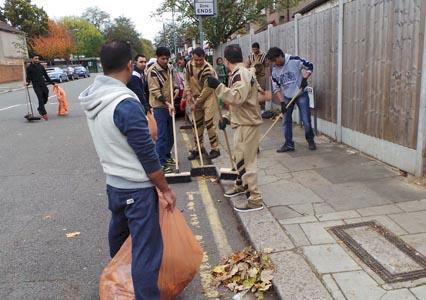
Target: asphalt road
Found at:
51, 184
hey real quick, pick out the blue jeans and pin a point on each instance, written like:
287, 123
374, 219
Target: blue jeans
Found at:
135, 212
165, 139
303, 103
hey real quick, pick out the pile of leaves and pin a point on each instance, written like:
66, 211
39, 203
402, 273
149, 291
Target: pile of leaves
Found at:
245, 271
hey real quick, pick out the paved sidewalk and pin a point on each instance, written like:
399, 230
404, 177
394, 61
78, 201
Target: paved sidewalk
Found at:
307, 193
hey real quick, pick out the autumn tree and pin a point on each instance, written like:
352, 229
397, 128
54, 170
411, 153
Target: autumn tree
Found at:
26, 17
58, 43
101, 19
232, 17
147, 48
87, 37
123, 29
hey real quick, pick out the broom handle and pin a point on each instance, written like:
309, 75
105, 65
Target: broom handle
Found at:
174, 121
29, 101
226, 139
197, 139
281, 115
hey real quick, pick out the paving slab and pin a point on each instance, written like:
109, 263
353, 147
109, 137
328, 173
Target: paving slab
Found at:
347, 214
385, 221
307, 163
412, 222
417, 241
284, 212
264, 231
297, 235
310, 178
379, 210
312, 208
332, 287
396, 189
330, 258
401, 294
419, 291
413, 205
294, 278
357, 285
299, 220
317, 232
284, 192
356, 171
352, 195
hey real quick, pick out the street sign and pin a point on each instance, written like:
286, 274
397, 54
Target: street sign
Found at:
205, 7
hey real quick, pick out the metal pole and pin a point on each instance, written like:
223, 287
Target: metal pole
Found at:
296, 33
421, 131
200, 29
174, 29
339, 73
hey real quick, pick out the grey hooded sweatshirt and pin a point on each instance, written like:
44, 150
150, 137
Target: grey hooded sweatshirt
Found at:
119, 160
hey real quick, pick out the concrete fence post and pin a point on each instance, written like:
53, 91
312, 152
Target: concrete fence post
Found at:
339, 73
421, 131
251, 34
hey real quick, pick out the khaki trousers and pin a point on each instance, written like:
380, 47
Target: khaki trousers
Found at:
206, 117
246, 143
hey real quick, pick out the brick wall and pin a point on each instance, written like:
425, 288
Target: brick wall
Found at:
10, 73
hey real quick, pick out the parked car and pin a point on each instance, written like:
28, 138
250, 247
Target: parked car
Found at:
82, 72
70, 72
57, 74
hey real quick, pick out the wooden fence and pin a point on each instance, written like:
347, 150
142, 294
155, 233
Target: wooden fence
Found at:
381, 74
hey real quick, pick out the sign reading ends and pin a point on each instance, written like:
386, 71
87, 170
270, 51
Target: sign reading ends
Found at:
204, 7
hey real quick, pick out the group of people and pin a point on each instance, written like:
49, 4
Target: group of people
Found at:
129, 112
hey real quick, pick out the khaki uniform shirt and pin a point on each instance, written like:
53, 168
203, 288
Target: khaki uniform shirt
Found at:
258, 63
242, 97
196, 83
159, 85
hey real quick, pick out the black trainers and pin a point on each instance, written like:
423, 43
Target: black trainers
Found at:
235, 191
213, 154
285, 148
193, 155
311, 145
247, 206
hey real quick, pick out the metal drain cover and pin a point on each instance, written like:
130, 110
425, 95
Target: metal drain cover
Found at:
387, 255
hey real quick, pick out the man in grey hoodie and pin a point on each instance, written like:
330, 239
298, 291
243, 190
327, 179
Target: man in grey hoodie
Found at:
120, 133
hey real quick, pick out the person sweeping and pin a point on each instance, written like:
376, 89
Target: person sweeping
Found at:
245, 118
202, 100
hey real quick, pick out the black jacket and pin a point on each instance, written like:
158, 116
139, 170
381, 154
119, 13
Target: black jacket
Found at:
36, 74
139, 85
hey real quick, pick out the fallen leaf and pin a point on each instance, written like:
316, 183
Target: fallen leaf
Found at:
72, 234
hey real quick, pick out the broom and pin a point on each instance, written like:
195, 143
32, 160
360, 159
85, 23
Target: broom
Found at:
226, 173
176, 177
30, 114
208, 170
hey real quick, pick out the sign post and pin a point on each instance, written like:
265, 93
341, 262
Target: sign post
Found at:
204, 8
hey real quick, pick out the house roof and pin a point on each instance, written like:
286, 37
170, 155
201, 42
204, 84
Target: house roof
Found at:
8, 28
311, 6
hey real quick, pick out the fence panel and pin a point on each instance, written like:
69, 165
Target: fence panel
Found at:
381, 69
282, 36
318, 43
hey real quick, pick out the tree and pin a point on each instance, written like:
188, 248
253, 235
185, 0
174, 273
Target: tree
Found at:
26, 17
87, 37
180, 33
123, 29
57, 44
147, 48
98, 17
233, 16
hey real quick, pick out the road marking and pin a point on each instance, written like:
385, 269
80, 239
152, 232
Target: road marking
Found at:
206, 277
9, 107
219, 234
22, 104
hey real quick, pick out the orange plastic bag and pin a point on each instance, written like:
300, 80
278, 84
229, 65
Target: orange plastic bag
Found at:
182, 256
62, 100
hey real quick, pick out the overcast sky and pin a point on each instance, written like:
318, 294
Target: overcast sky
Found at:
138, 11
